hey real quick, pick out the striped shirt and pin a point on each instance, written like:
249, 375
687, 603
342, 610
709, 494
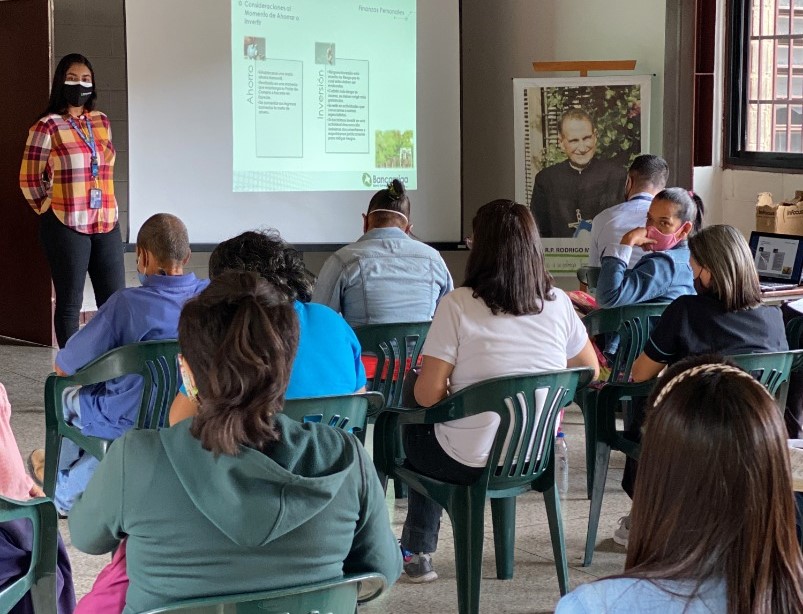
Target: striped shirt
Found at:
56, 173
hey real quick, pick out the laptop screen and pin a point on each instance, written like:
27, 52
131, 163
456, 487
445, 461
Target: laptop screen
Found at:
778, 258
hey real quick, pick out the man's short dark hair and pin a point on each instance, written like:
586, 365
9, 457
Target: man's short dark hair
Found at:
576, 114
648, 168
165, 236
266, 253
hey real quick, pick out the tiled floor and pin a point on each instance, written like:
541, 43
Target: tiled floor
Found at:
534, 587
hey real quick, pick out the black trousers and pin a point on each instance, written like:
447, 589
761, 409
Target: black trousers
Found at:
425, 455
71, 256
634, 420
793, 412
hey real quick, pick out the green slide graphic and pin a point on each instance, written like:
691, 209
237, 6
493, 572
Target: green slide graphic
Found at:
323, 94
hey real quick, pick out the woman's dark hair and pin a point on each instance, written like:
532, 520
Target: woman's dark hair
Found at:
266, 253
239, 337
724, 253
392, 198
506, 263
713, 498
58, 102
690, 206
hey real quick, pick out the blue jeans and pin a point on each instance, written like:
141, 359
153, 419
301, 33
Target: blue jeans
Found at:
425, 455
75, 466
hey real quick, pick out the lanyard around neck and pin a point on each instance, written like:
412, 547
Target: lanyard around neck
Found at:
90, 142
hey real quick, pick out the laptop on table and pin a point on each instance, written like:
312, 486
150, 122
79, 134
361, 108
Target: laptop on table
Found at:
778, 259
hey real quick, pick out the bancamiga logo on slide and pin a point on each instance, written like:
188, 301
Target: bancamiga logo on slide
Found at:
380, 181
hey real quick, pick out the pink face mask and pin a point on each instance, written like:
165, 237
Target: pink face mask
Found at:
662, 242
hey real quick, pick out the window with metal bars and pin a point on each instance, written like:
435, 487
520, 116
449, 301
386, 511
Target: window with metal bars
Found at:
764, 124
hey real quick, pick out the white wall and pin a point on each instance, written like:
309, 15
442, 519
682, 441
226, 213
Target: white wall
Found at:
730, 195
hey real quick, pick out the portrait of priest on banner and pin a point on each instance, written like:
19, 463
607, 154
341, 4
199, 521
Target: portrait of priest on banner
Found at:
579, 142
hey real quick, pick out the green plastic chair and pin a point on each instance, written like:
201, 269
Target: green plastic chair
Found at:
348, 411
589, 275
338, 596
155, 361
40, 579
633, 324
772, 369
505, 477
397, 348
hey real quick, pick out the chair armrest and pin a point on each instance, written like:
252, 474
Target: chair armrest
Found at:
376, 401
613, 392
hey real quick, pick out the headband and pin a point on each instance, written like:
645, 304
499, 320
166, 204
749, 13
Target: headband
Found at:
406, 221
708, 368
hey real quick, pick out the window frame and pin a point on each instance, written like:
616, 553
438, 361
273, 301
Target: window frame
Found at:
736, 88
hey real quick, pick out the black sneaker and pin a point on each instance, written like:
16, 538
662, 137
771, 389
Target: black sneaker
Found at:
418, 568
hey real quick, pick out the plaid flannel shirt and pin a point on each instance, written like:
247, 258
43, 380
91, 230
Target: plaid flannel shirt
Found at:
56, 174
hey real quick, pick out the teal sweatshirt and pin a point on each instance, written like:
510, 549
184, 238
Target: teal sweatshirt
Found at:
200, 525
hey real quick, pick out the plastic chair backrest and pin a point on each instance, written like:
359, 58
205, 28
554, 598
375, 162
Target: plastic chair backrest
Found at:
347, 411
397, 348
40, 578
338, 596
589, 275
528, 407
772, 369
633, 324
155, 361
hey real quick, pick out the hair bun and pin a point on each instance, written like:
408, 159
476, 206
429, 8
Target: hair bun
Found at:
396, 189
241, 287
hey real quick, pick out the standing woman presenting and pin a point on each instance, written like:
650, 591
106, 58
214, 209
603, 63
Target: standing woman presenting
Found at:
66, 176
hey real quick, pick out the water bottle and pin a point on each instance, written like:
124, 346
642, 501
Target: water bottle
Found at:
561, 465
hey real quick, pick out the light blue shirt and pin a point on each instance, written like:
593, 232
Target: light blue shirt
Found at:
385, 276
628, 595
610, 226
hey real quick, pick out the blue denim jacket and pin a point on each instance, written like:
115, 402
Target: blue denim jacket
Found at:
385, 276
657, 277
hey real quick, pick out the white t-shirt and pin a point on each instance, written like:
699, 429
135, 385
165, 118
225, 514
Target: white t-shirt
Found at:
481, 345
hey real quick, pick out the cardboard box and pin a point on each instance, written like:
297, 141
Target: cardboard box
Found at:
783, 218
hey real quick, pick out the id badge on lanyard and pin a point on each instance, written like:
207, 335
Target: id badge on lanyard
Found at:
95, 193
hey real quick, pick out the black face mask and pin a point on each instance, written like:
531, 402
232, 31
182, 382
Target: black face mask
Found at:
77, 94
699, 288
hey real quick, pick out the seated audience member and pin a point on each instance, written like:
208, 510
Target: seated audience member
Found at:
663, 273
240, 498
646, 177
713, 512
16, 538
725, 317
386, 276
130, 315
328, 358
507, 319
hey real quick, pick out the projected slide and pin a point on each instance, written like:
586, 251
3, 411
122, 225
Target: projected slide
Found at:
323, 94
